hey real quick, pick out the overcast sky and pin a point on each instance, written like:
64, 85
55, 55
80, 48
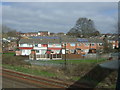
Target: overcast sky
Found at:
59, 16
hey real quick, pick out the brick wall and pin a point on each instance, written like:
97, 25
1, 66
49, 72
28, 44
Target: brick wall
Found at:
72, 56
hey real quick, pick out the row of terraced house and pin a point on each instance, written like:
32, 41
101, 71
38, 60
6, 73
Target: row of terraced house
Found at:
45, 46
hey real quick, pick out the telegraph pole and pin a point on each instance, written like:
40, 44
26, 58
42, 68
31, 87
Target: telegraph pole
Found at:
65, 55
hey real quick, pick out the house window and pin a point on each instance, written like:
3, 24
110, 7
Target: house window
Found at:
50, 45
58, 45
43, 51
72, 51
86, 44
36, 45
79, 44
44, 45
23, 51
72, 44
37, 51
100, 44
92, 44
29, 45
82, 50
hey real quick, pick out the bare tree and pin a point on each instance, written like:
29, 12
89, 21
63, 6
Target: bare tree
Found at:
84, 27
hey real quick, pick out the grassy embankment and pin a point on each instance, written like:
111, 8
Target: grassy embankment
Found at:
17, 63
78, 67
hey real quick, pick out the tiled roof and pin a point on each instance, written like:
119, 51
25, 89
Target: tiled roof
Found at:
68, 39
44, 41
45, 37
95, 40
60, 40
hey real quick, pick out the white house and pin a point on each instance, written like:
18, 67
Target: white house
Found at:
55, 47
25, 48
40, 48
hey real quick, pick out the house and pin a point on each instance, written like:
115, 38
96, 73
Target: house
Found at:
46, 48
40, 45
54, 46
5, 40
43, 47
69, 44
12, 46
25, 46
61, 34
114, 42
82, 45
43, 33
28, 34
52, 43
95, 44
8, 45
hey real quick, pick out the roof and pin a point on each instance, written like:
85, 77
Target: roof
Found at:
116, 38
29, 33
46, 40
68, 39
37, 41
45, 37
42, 31
95, 40
82, 40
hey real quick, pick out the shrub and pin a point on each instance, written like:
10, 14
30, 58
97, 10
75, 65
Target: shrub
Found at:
14, 60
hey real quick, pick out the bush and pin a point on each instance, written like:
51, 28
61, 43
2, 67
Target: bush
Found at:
79, 69
14, 60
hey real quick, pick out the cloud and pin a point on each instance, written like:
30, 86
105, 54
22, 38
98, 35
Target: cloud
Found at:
58, 17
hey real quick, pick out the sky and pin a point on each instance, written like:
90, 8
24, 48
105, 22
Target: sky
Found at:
59, 16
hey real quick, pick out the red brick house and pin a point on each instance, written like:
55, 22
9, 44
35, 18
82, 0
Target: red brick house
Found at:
43, 33
28, 34
81, 45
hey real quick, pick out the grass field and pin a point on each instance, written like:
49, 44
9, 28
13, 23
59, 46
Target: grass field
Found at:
75, 70
9, 53
29, 70
71, 61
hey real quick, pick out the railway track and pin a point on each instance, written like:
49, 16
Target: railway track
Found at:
38, 82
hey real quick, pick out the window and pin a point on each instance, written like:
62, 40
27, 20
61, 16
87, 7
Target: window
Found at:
23, 51
100, 44
82, 50
36, 45
92, 44
37, 51
72, 44
72, 51
30, 45
58, 45
50, 45
44, 45
86, 44
79, 44
24, 45
43, 51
